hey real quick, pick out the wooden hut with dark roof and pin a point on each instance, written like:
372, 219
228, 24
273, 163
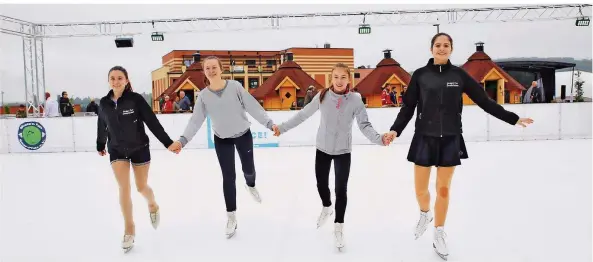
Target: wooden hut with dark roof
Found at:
191, 82
285, 86
500, 86
389, 74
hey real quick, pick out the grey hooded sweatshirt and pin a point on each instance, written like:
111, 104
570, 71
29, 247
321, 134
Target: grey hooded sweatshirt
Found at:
334, 136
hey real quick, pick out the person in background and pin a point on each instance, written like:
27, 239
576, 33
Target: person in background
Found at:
184, 103
66, 107
92, 107
51, 108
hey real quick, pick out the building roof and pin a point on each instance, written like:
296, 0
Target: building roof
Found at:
194, 74
294, 72
479, 64
533, 65
374, 81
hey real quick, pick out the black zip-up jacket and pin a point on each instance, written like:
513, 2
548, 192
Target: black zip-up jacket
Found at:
123, 123
437, 91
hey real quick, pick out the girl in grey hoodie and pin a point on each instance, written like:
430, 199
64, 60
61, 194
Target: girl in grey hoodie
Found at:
338, 109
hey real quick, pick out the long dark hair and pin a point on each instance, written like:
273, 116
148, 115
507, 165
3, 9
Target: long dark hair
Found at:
338, 65
125, 72
206, 81
434, 38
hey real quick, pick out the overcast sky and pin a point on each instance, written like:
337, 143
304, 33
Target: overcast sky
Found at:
80, 65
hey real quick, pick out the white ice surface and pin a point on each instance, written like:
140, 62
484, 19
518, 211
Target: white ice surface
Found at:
511, 201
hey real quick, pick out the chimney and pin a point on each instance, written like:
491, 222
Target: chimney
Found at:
387, 53
290, 57
326, 45
480, 47
196, 56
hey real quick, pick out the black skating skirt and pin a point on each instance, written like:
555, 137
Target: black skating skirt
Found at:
430, 151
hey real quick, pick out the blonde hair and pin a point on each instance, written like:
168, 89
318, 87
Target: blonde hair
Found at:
341, 66
206, 81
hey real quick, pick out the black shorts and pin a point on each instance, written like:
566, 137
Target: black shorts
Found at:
137, 157
444, 151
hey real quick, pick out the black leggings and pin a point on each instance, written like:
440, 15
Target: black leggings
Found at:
342, 172
225, 151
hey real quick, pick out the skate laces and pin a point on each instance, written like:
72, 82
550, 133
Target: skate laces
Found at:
441, 235
128, 238
423, 219
231, 219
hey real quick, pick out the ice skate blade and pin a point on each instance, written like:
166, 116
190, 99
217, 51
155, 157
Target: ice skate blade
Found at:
232, 234
127, 249
444, 257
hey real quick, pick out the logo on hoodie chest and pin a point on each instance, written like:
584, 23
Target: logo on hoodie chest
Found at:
127, 112
452, 84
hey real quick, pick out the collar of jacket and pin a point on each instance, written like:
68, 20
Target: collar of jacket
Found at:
439, 68
126, 92
343, 93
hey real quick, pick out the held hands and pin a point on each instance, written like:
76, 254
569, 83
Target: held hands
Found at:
389, 137
175, 147
276, 130
523, 121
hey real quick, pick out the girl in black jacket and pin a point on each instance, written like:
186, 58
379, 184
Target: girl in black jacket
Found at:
122, 114
436, 90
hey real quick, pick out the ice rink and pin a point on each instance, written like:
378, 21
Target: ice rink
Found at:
510, 201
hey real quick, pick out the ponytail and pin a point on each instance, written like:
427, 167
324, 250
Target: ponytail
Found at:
322, 94
128, 87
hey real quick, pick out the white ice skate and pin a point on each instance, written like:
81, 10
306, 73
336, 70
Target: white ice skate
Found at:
254, 193
127, 243
155, 218
326, 212
231, 224
339, 235
439, 244
423, 222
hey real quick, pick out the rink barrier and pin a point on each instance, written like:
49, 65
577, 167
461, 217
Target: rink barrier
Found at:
78, 134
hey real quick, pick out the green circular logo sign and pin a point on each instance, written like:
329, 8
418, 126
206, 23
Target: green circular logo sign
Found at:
31, 135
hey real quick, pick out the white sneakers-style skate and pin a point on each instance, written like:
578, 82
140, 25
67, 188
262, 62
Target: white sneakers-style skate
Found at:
231, 224
326, 212
127, 243
423, 222
155, 218
254, 193
439, 244
339, 235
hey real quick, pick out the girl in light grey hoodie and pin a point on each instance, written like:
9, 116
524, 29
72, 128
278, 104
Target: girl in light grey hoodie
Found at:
226, 102
338, 109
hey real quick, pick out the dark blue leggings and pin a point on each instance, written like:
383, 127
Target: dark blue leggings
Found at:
225, 151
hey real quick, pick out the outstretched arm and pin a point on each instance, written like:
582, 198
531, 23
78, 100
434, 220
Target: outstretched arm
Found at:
365, 126
410, 100
254, 108
301, 116
195, 122
476, 92
152, 121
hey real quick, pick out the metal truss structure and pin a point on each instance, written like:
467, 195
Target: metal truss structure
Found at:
33, 34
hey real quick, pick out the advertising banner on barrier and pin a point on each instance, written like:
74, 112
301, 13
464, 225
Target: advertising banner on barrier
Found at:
31, 135
78, 134
262, 137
